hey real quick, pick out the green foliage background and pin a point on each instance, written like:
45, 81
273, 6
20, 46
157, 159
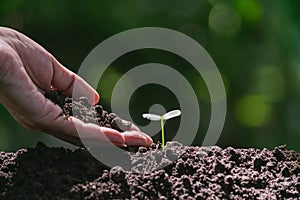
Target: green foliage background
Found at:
255, 44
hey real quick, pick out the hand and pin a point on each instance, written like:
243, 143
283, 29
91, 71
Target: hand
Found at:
26, 71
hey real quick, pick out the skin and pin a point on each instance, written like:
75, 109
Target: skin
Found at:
27, 70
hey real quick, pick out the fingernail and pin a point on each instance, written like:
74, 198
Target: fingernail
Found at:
123, 145
97, 97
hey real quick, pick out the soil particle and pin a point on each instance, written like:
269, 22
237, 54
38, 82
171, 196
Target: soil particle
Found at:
198, 173
117, 174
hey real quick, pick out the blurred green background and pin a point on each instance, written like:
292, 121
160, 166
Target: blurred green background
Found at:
255, 44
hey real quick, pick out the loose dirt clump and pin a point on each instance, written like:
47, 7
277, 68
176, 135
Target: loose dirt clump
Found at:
82, 110
199, 173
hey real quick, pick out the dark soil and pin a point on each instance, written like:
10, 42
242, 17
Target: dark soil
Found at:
199, 173
82, 110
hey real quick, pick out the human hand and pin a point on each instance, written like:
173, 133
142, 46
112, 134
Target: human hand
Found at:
26, 71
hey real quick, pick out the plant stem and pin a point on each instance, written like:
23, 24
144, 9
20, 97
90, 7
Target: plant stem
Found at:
162, 133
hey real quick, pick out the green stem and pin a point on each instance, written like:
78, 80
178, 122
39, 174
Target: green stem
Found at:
162, 133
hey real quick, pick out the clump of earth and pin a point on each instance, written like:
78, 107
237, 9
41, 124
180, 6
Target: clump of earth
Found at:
82, 110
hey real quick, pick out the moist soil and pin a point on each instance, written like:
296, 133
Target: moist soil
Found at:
82, 110
199, 173
177, 172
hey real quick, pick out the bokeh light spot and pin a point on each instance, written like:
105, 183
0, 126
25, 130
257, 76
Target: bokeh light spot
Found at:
252, 110
270, 83
250, 10
224, 20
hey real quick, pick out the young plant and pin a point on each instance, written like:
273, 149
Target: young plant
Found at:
168, 115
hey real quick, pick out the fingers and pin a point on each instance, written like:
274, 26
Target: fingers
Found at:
69, 130
137, 138
64, 79
134, 128
95, 133
134, 137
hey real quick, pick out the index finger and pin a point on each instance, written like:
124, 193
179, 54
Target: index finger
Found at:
64, 79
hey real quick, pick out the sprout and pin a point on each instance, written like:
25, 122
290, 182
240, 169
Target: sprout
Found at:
168, 115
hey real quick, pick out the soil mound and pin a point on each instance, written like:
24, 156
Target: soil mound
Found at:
199, 173
182, 172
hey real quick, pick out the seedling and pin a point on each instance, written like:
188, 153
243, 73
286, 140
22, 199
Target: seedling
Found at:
168, 115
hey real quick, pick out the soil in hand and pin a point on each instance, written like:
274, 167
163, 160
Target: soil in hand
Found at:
199, 173
82, 110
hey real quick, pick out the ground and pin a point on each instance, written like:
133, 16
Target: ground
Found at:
199, 173
177, 172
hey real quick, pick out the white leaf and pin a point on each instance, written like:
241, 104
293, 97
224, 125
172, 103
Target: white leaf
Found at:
171, 114
152, 117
